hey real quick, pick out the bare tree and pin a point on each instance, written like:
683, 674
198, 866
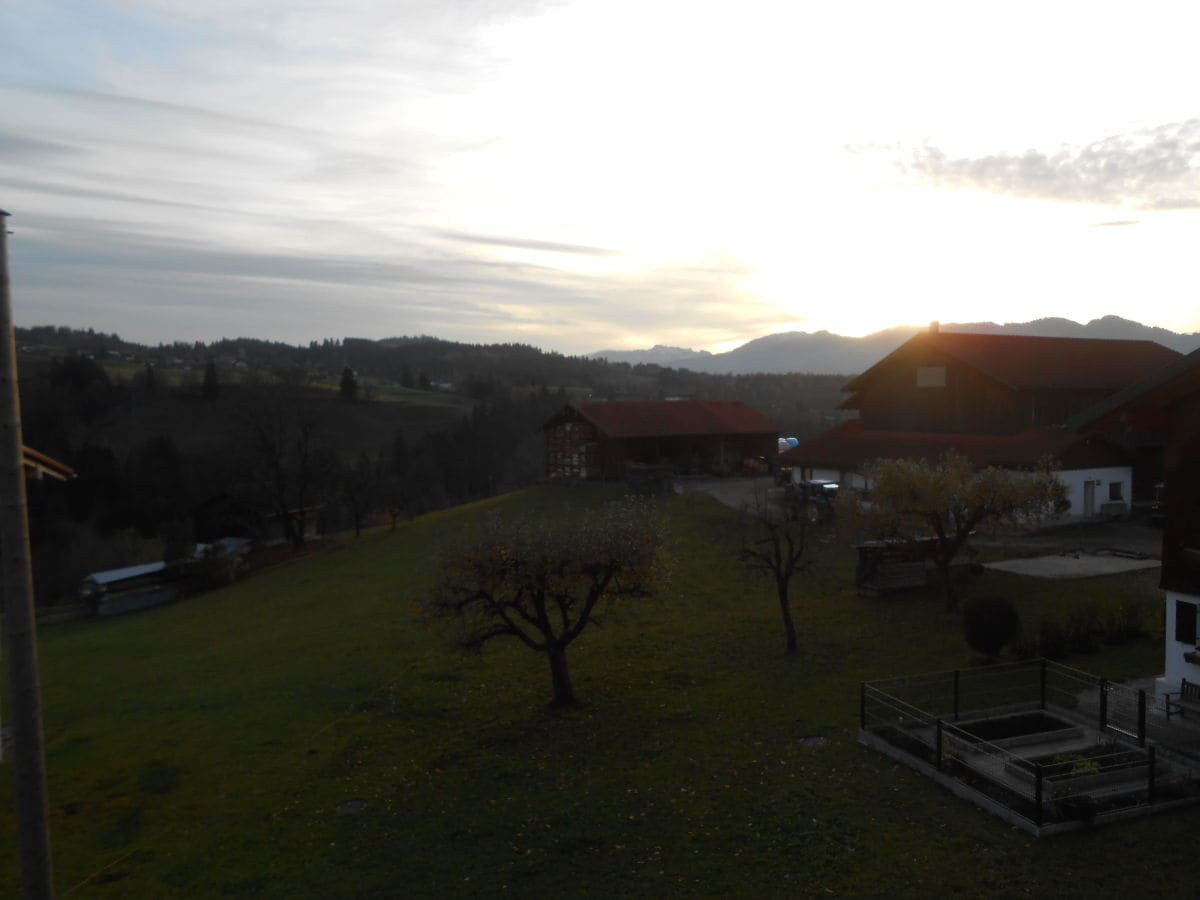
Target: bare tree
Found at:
359, 486
283, 435
773, 542
542, 582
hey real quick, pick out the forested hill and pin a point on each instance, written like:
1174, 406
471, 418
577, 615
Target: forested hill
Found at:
800, 404
186, 443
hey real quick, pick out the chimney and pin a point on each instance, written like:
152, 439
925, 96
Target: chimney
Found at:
933, 327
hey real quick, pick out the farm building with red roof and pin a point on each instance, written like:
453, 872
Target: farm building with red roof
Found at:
999, 400
603, 439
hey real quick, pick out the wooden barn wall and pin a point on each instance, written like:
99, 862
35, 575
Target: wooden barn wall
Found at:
1094, 455
572, 450
969, 402
1054, 407
1181, 530
684, 453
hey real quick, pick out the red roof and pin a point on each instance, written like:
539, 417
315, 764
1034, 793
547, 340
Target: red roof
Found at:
666, 418
1025, 362
849, 445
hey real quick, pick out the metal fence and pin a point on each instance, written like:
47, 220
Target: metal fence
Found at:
1092, 748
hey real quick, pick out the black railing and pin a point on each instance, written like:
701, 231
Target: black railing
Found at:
941, 719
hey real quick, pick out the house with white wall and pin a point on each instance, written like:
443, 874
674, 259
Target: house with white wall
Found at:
1097, 472
1168, 402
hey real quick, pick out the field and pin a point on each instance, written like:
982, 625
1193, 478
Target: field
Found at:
307, 733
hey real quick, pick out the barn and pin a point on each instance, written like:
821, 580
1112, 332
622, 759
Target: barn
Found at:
999, 399
605, 439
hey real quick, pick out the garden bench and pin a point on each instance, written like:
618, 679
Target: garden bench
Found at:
1188, 698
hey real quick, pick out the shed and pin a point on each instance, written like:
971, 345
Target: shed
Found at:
116, 591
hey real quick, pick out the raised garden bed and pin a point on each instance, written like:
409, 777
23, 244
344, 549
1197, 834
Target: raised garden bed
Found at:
1017, 730
1085, 769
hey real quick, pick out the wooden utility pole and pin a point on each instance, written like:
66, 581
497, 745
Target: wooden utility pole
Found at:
20, 626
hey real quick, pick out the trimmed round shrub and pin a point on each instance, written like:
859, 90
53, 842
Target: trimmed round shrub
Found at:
1052, 640
990, 622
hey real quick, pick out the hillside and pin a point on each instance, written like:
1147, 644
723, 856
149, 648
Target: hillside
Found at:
186, 442
306, 732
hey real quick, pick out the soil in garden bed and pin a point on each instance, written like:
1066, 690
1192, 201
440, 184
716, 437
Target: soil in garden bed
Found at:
1017, 725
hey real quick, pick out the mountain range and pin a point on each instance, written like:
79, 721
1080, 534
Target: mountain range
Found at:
825, 353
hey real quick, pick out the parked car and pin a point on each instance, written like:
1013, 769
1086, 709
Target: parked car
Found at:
814, 497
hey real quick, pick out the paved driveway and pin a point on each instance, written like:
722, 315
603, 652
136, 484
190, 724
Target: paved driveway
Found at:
737, 491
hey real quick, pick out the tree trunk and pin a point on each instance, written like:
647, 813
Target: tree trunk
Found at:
564, 694
948, 591
785, 610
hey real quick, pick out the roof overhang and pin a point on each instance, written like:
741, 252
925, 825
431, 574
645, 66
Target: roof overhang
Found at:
39, 465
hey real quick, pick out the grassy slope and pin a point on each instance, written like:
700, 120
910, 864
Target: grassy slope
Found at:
204, 749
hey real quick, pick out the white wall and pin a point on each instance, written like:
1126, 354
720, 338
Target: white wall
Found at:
1175, 667
1075, 478
849, 479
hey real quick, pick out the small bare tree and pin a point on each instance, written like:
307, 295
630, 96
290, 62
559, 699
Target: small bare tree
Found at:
542, 582
773, 542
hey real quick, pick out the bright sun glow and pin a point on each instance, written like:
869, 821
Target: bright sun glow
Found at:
597, 174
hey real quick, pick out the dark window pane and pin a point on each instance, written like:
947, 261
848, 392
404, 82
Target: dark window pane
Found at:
1185, 622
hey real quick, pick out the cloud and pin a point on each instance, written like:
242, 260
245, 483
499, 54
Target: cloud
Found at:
127, 102
1156, 168
156, 286
18, 147
76, 192
526, 243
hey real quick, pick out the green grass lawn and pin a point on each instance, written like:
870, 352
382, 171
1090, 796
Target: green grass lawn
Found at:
306, 733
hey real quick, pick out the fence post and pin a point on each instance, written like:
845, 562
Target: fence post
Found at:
1042, 689
1141, 718
1150, 777
1103, 704
862, 705
956, 695
1037, 792
938, 746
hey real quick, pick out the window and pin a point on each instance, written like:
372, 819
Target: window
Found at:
931, 376
1114, 490
1185, 622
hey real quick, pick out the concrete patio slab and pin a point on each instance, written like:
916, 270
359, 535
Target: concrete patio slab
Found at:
1072, 565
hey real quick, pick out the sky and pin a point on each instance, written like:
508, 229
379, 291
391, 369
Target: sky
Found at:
598, 174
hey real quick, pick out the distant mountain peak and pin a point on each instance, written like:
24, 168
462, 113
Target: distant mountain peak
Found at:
659, 355
822, 352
